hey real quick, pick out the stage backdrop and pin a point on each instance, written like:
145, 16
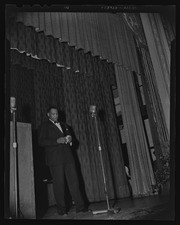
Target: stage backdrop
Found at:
37, 84
74, 62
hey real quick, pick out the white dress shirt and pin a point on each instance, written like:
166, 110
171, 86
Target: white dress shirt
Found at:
57, 125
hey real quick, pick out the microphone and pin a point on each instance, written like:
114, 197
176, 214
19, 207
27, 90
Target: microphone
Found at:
12, 103
92, 110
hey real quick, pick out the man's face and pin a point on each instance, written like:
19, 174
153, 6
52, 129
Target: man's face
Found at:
53, 114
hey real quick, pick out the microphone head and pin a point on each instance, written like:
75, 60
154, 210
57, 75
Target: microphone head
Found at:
92, 109
12, 102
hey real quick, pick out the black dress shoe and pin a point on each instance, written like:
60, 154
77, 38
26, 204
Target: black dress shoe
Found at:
61, 211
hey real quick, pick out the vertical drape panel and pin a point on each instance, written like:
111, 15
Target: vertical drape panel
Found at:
64, 27
58, 53
125, 49
12, 34
79, 31
155, 100
122, 42
113, 39
104, 37
161, 44
160, 59
35, 19
55, 23
134, 54
41, 21
130, 60
108, 33
41, 45
48, 26
101, 34
71, 29
94, 28
81, 91
49, 48
110, 129
85, 38
21, 81
142, 177
88, 31
66, 55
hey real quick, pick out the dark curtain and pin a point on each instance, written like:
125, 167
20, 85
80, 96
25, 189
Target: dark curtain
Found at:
81, 91
72, 80
37, 83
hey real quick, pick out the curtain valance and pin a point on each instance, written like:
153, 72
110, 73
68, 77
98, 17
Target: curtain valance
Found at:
38, 46
103, 34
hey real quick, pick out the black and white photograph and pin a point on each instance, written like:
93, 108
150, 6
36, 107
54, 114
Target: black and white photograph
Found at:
90, 112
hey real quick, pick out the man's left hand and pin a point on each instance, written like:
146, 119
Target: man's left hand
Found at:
68, 139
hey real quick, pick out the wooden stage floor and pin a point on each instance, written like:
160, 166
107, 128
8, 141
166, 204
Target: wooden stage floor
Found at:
145, 208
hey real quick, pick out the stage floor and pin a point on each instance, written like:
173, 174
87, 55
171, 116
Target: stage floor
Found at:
146, 208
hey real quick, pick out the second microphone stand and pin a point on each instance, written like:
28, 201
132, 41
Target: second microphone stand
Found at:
17, 214
109, 210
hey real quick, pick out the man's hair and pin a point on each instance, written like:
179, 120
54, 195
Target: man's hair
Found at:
51, 107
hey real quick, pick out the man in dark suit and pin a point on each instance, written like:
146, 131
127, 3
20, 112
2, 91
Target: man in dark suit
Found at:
54, 136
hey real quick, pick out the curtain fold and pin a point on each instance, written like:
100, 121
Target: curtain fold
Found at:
71, 29
142, 176
160, 59
158, 116
118, 42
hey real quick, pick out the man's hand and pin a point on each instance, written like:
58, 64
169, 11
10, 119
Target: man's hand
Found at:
61, 140
68, 139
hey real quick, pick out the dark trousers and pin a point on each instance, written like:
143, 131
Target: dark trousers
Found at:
58, 174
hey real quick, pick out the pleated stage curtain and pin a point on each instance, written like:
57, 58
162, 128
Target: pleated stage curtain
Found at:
36, 84
159, 51
80, 75
158, 116
81, 92
142, 177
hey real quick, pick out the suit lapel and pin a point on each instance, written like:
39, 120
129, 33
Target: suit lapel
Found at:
63, 127
53, 125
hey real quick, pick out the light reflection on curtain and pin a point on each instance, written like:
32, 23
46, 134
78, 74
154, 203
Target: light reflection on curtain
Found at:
142, 177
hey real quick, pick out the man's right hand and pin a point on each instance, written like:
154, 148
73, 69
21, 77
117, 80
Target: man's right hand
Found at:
61, 140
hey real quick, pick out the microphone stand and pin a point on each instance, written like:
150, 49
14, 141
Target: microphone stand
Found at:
15, 153
109, 210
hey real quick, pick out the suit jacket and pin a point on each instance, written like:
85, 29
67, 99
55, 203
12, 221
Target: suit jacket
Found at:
55, 153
